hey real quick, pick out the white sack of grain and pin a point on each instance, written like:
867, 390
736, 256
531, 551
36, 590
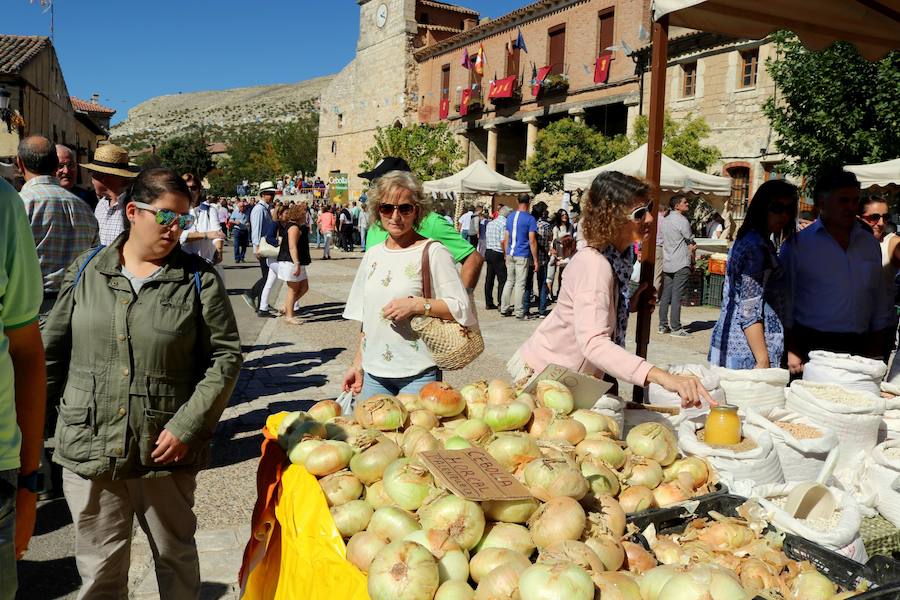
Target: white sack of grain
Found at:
612, 406
839, 533
761, 389
882, 474
853, 416
801, 458
660, 396
853, 372
759, 465
890, 427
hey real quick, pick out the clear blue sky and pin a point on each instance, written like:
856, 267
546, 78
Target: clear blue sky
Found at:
132, 50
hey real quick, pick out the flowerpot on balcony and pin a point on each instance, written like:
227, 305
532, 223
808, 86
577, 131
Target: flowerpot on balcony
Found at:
555, 85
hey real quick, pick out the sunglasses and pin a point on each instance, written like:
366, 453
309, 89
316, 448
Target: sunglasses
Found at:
776, 208
875, 217
639, 213
166, 217
387, 210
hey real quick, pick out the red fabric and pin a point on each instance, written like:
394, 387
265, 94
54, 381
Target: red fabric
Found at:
445, 108
502, 88
541, 76
601, 67
464, 101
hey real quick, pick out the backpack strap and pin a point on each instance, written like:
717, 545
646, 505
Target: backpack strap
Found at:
197, 282
84, 265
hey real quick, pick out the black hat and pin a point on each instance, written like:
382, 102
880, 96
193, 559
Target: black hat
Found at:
385, 165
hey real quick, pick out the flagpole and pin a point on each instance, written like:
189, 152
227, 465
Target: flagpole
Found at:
52, 19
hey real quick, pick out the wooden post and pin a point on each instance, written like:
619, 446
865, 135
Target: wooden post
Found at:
657, 110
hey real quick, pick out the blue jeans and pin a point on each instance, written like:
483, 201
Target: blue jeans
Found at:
373, 385
8, 579
241, 239
529, 288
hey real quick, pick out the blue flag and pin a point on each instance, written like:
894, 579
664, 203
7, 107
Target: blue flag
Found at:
520, 43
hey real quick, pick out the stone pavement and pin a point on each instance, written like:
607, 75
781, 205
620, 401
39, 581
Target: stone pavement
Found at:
287, 367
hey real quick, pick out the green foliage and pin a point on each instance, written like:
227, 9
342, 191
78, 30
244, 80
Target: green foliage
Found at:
833, 107
682, 140
431, 150
186, 154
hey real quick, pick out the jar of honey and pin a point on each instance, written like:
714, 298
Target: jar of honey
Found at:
723, 426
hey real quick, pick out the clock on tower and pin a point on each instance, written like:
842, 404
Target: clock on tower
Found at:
381, 15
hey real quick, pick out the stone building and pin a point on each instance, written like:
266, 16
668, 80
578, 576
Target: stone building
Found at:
379, 86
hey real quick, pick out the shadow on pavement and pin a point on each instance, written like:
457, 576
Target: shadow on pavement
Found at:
213, 591
48, 579
247, 348
52, 515
317, 359
697, 326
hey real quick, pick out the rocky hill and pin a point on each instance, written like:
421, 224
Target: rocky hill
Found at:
218, 112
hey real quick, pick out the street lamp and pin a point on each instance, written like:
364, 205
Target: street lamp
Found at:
6, 114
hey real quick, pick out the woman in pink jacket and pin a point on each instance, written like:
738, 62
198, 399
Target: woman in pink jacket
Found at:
592, 309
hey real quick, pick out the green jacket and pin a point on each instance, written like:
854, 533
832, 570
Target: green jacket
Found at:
122, 367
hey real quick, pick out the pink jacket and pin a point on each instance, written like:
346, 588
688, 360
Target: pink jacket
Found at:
578, 333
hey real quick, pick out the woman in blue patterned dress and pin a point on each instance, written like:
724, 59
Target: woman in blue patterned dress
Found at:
749, 333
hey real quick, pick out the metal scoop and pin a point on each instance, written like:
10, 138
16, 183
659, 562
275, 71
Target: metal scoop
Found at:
814, 500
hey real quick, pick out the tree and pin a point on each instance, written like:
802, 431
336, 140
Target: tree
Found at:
833, 107
186, 154
566, 146
431, 150
682, 140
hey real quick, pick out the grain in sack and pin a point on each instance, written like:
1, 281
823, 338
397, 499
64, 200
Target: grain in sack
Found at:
761, 389
883, 473
802, 445
709, 379
853, 416
852, 372
890, 427
759, 465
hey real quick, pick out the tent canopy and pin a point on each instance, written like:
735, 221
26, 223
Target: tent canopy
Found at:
675, 176
880, 174
873, 26
477, 178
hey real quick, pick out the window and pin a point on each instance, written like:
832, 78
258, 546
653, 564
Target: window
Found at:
740, 189
749, 64
773, 171
445, 82
606, 34
334, 146
556, 38
688, 80
424, 19
512, 61
340, 120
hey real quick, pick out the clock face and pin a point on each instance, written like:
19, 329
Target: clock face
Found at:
381, 15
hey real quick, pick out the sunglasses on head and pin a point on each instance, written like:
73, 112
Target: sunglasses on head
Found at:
641, 211
387, 210
875, 217
166, 217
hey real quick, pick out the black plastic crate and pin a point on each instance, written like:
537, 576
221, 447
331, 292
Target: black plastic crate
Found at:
693, 290
713, 290
718, 490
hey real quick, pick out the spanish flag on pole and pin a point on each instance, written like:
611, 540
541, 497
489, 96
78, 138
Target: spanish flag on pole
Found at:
480, 60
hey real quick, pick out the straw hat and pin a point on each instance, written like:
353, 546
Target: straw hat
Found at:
113, 160
267, 186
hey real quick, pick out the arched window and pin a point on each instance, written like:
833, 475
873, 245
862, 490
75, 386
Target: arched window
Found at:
740, 187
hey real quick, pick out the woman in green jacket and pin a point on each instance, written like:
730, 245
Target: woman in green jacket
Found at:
142, 356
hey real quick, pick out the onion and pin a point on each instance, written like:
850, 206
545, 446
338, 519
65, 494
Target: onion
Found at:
653, 441
726, 535
474, 430
380, 412
362, 548
453, 422
527, 399
565, 429
464, 519
637, 560
601, 479
369, 465
644, 472
341, 487
409, 401
508, 536
457, 443
424, 419
561, 518
510, 511
670, 493
506, 417
500, 584
557, 450
453, 561
325, 410
403, 570
441, 399
407, 483
548, 478
391, 523
693, 465
499, 392
570, 551
540, 418
654, 580
329, 457
351, 517
608, 550
343, 429
442, 434
595, 422
564, 581
670, 552
709, 581
607, 519
812, 585
301, 451
475, 396
490, 558
617, 586
417, 439
600, 446
376, 496
636, 498
555, 395
513, 450
454, 590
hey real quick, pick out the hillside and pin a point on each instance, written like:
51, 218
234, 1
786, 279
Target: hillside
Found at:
218, 112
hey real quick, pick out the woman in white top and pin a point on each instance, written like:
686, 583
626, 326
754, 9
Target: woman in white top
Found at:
873, 211
387, 293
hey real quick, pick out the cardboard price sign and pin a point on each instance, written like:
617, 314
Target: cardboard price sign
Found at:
586, 390
473, 474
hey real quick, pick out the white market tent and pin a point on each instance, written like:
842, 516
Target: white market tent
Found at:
880, 174
674, 177
477, 178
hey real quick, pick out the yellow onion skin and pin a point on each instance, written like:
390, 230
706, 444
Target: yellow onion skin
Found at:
376, 496
510, 511
474, 430
441, 399
606, 517
668, 494
654, 580
564, 581
341, 487
646, 472
595, 422
404, 570
506, 535
601, 479
490, 558
301, 451
499, 392
575, 552
614, 585
362, 548
637, 560
409, 401
455, 590
812, 584
562, 428
548, 478
475, 396
608, 549
392, 524
329, 457
417, 439
453, 561
343, 429
513, 449
407, 483
380, 412
555, 395
527, 399
351, 517
561, 518
636, 498
540, 418
423, 418
325, 410
653, 441
369, 465
507, 417
464, 519
599, 446
500, 584
693, 465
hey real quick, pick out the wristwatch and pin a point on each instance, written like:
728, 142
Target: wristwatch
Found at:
427, 308
33, 482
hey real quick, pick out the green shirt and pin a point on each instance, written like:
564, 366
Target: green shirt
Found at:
21, 292
434, 227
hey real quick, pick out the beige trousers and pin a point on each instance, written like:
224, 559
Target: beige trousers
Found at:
103, 513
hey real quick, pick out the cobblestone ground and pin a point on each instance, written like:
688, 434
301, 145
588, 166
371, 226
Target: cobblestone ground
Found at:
287, 367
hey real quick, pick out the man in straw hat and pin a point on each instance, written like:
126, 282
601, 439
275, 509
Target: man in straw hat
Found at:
260, 219
111, 174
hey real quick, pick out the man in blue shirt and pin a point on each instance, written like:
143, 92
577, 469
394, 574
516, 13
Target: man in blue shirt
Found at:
260, 218
520, 249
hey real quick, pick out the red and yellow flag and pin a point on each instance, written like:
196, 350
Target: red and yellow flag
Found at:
601, 67
502, 88
480, 60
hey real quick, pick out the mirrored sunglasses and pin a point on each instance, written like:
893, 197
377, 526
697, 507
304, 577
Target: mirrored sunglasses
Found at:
166, 217
387, 210
639, 213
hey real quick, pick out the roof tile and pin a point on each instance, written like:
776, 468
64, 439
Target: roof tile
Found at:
17, 50
91, 107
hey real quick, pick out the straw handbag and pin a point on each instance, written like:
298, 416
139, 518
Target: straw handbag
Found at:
267, 250
452, 346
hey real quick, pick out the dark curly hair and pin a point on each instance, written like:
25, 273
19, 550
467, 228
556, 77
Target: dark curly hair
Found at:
604, 208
